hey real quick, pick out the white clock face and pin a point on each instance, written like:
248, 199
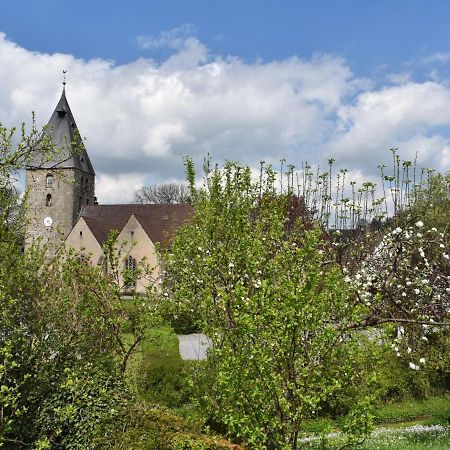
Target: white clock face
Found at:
48, 221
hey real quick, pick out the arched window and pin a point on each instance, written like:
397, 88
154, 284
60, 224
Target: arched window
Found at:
130, 272
49, 181
48, 200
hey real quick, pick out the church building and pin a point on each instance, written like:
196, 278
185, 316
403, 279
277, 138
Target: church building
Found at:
63, 210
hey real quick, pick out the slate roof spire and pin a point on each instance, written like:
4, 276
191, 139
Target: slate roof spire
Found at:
62, 132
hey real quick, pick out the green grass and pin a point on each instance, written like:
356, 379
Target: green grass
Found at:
400, 426
436, 409
416, 439
157, 372
163, 417
431, 411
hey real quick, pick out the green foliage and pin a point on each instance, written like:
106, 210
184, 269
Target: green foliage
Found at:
62, 355
149, 427
258, 279
86, 405
56, 328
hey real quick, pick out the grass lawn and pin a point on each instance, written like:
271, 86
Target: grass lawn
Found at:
414, 438
157, 372
429, 411
408, 425
418, 437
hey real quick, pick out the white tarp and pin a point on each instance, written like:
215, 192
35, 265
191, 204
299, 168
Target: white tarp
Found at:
193, 346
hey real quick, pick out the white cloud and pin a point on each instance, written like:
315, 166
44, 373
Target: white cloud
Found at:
141, 118
440, 58
117, 189
399, 116
400, 78
175, 38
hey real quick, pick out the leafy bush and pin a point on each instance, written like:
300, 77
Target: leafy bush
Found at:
155, 428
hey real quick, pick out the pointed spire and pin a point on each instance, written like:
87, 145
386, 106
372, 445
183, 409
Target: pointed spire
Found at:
64, 135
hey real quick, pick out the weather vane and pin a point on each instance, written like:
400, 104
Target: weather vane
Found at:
64, 77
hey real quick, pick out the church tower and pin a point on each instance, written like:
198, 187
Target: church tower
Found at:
59, 185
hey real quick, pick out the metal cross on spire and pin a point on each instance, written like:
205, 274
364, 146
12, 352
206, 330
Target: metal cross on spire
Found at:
64, 78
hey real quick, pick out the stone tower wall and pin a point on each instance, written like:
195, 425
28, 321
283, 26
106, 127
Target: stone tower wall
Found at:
71, 188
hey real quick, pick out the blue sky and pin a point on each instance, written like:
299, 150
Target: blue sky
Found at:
151, 81
369, 34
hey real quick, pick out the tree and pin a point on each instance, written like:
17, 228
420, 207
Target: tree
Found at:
274, 306
163, 193
284, 318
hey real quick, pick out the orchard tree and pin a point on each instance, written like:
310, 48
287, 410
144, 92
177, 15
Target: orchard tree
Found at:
259, 282
285, 318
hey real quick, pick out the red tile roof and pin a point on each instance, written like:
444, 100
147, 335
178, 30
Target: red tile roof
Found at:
160, 222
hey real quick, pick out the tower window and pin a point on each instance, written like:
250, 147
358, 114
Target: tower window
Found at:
49, 181
48, 200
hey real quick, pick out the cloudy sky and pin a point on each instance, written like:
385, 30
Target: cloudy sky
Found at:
150, 82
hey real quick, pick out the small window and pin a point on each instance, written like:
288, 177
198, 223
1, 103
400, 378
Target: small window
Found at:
81, 234
48, 200
49, 181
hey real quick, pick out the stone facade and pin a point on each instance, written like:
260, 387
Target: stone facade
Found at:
58, 187
132, 243
139, 229
59, 202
